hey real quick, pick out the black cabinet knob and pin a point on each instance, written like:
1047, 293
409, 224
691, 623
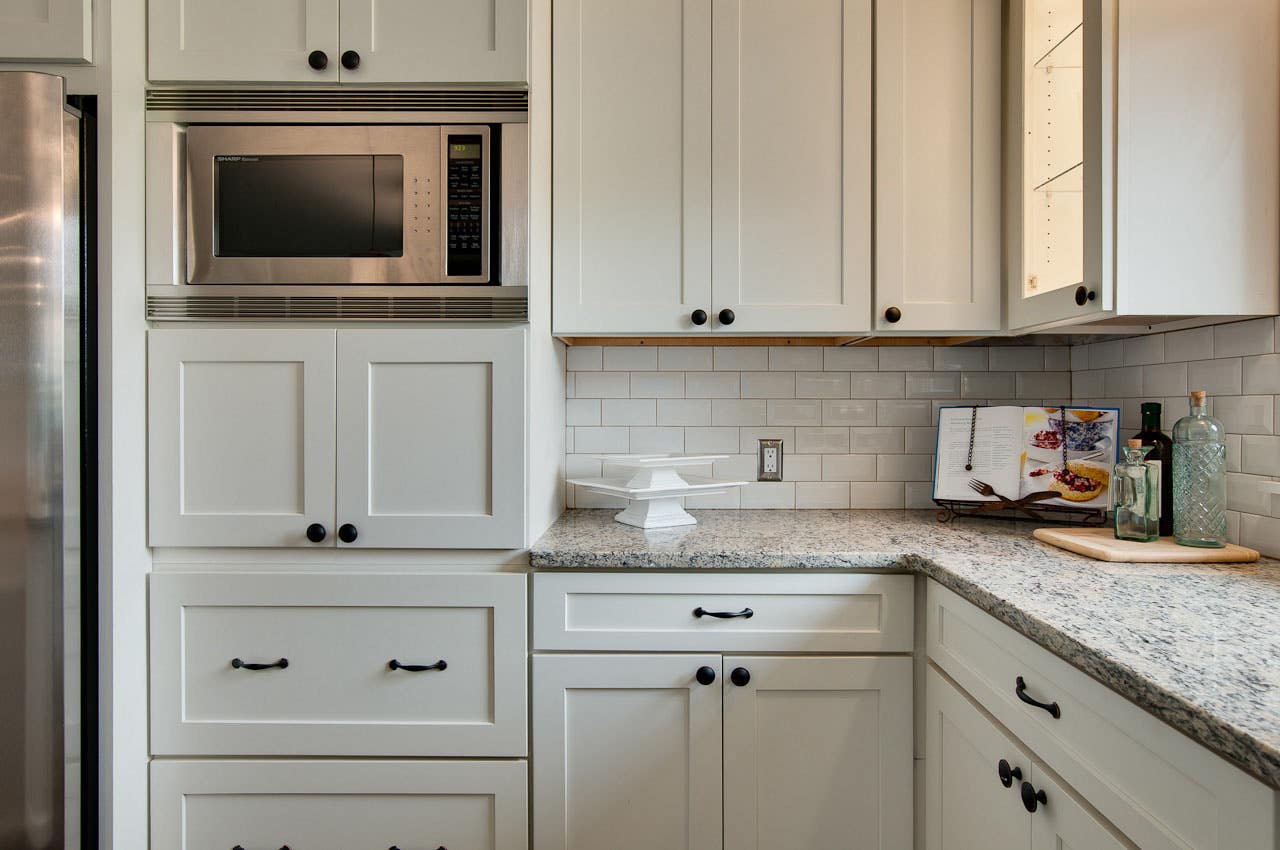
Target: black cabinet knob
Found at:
1007, 773
698, 317
347, 533
705, 675
892, 315
726, 316
350, 60
318, 60
1031, 798
1084, 294
316, 533
740, 676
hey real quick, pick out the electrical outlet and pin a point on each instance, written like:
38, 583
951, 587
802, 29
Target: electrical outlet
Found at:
769, 467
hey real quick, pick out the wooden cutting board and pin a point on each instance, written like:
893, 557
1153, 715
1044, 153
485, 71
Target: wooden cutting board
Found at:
1101, 544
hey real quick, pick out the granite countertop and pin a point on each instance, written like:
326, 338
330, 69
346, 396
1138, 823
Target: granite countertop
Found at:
1196, 645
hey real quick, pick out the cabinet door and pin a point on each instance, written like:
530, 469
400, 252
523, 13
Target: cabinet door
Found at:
792, 152
967, 805
1063, 823
446, 41
626, 753
431, 430
631, 165
938, 90
46, 30
242, 40
817, 753
240, 436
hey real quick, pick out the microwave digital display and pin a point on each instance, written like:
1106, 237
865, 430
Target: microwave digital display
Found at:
465, 227
308, 205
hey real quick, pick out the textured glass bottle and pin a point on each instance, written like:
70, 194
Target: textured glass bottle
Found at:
1199, 478
1136, 486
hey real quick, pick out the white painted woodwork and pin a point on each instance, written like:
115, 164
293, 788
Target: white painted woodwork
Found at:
444, 41
938, 167
1065, 823
46, 30
337, 695
966, 805
817, 753
631, 165
636, 611
241, 40
791, 146
1156, 786
241, 436
339, 805
431, 437
627, 753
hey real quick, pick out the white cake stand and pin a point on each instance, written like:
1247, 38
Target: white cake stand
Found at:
654, 491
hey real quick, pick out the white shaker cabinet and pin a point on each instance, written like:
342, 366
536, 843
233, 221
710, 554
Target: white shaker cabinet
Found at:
938, 175
243, 41
626, 752
631, 166
240, 436
46, 31
791, 146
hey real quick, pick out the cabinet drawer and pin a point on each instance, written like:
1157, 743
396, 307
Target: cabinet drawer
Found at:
332, 689
338, 805
660, 611
1159, 788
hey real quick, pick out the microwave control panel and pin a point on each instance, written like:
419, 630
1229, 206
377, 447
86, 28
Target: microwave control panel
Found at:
465, 191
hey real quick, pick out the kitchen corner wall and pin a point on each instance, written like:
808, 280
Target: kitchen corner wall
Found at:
857, 423
1238, 366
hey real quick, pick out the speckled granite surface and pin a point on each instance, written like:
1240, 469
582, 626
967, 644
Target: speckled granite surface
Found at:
1197, 645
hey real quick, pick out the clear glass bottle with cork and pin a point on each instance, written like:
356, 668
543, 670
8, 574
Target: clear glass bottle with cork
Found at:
1199, 478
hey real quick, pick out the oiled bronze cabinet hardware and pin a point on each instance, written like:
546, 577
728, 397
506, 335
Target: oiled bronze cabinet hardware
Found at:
240, 664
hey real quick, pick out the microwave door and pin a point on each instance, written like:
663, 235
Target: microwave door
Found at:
314, 205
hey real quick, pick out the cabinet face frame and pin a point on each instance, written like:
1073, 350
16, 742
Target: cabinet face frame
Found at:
1099, 196
64, 35
230, 61
889, 780
169, 353
555, 676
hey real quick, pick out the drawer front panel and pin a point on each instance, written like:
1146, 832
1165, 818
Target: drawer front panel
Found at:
675, 611
328, 805
325, 646
1159, 788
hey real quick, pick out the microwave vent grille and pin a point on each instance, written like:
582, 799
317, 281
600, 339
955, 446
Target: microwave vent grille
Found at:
392, 308
320, 100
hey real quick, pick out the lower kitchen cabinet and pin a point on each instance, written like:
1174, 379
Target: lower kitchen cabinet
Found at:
630, 751
339, 805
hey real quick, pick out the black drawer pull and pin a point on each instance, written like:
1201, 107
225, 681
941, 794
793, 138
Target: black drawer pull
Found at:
416, 668
1031, 798
251, 665
396, 847
282, 847
1007, 773
745, 613
1051, 707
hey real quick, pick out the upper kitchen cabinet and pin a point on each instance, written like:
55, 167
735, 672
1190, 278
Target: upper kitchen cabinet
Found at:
324, 41
938, 91
646, 97
631, 166
1141, 156
46, 31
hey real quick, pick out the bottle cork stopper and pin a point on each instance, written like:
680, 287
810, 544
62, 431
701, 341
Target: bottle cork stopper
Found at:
1197, 396
1135, 444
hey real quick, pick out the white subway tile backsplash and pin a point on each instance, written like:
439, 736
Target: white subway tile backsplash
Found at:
922, 440
769, 494
747, 411
648, 440
1080, 358
849, 467
1106, 355
857, 411
657, 385
711, 385
740, 467
877, 385
1261, 374
879, 440
740, 359
822, 384
1057, 358
1089, 383
904, 468
787, 359
583, 358
603, 385
630, 358
730, 499
1216, 377
793, 411
1193, 344
1246, 414
1260, 455
1143, 350
1123, 381
1247, 494
877, 495
801, 467
713, 440
684, 411
822, 494
905, 358
919, 495
932, 384
1165, 379
901, 411
1017, 358
750, 438
986, 384
850, 359
582, 411
684, 358
768, 384
1260, 532
824, 440
1044, 385
1233, 453
1239, 338
960, 359
601, 441
628, 411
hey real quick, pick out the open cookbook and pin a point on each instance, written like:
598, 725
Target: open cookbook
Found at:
1019, 451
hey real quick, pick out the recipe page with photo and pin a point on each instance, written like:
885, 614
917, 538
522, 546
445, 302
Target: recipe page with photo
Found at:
1071, 451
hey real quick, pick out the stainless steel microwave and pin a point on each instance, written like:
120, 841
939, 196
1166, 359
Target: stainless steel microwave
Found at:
372, 221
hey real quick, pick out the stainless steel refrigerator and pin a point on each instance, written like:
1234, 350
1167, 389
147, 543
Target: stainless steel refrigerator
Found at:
45, 157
